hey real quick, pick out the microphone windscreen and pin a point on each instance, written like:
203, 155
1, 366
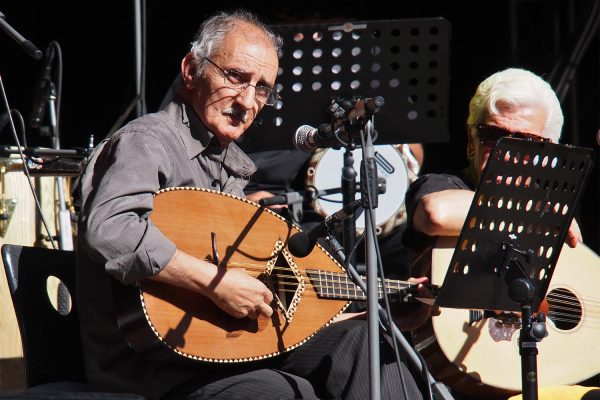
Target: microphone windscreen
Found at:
301, 138
274, 200
300, 245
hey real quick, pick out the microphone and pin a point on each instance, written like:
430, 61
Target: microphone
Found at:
27, 46
286, 198
302, 243
309, 139
40, 97
308, 195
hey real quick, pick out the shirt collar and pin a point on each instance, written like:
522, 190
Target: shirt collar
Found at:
197, 138
200, 141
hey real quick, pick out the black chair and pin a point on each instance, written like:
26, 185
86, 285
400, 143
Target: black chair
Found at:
51, 339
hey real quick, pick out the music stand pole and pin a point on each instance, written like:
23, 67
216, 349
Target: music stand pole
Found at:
533, 328
528, 342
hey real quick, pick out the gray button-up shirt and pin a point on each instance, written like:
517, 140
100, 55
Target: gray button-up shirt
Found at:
117, 239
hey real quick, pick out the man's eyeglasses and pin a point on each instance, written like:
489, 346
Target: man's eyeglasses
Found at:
234, 80
489, 135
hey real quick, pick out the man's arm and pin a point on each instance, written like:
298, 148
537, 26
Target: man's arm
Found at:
442, 213
231, 289
117, 230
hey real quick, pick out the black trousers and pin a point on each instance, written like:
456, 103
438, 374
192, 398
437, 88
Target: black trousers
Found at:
334, 364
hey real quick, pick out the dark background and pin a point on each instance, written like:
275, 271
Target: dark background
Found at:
98, 54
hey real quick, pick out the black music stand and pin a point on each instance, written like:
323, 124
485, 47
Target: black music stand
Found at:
513, 235
404, 61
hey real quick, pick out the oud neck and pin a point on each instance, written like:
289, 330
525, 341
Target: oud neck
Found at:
338, 286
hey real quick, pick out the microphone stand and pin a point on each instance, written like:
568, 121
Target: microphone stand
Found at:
358, 119
348, 186
368, 183
438, 389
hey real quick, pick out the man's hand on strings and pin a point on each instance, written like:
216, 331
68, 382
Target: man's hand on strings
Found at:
409, 317
242, 295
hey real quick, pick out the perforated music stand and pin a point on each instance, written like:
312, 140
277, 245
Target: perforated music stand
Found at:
404, 61
514, 232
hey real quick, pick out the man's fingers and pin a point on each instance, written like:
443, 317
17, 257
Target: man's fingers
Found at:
571, 240
422, 279
267, 296
574, 235
264, 310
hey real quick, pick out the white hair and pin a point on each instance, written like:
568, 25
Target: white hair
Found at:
212, 31
518, 88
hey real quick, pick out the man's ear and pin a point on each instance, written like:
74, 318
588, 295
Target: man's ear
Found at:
188, 70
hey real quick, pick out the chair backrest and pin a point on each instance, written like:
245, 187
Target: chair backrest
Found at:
51, 341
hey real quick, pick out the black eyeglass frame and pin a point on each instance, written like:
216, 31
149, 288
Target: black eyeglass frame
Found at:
492, 134
271, 98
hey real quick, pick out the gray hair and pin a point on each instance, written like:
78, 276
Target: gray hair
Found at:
518, 88
213, 30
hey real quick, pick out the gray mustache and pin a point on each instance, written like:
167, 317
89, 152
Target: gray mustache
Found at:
236, 113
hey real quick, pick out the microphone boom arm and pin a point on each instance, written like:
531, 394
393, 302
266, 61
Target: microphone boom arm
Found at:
25, 44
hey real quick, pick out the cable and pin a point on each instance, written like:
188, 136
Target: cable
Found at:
59, 80
358, 241
22, 124
5, 119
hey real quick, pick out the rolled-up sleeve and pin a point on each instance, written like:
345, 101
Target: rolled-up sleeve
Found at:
118, 187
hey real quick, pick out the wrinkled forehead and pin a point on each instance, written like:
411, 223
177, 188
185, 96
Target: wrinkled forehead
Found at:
531, 118
248, 49
243, 34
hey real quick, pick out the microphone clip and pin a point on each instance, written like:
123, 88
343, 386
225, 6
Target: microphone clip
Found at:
353, 112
